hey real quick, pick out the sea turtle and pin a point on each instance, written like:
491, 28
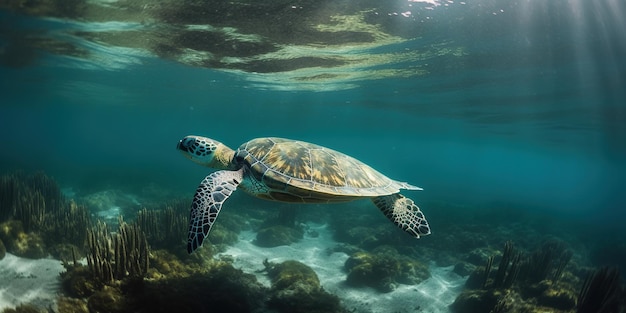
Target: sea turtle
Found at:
290, 171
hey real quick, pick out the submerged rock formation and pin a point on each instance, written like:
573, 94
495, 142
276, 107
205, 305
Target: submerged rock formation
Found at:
383, 269
296, 288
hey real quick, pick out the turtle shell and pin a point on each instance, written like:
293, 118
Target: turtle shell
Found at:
308, 171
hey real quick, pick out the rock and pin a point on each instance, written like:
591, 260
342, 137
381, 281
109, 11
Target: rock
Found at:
78, 282
166, 264
222, 288
16, 241
109, 300
221, 235
559, 299
9, 230
30, 246
296, 288
288, 273
370, 270
475, 301
384, 269
277, 235
71, 305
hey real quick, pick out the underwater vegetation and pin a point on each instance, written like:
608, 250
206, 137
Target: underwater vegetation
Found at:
141, 265
35, 219
115, 256
536, 282
296, 288
138, 266
602, 292
164, 227
383, 269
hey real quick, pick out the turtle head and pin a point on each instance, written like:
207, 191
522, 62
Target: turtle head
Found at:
206, 152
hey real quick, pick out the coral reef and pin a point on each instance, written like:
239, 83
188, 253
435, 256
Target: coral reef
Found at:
167, 226
284, 275
115, 256
36, 215
67, 225
17, 241
78, 281
124, 275
171, 286
164, 228
221, 288
109, 299
65, 252
546, 263
480, 300
23, 199
71, 305
383, 269
521, 282
169, 265
602, 292
296, 288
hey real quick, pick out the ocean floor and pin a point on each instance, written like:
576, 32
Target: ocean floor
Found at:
316, 250
29, 281
36, 282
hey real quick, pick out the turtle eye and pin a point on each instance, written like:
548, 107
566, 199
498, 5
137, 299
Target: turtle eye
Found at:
183, 145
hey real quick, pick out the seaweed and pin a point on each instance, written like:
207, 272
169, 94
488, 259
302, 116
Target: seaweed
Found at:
33, 206
600, 292
116, 256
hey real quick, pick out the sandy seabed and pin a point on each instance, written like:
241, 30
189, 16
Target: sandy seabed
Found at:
36, 282
434, 295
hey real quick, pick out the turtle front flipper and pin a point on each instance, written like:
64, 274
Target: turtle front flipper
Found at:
403, 212
207, 203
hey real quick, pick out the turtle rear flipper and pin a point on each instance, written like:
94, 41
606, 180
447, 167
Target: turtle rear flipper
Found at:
403, 212
207, 203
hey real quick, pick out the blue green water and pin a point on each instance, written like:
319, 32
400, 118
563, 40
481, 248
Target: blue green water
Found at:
519, 102
532, 113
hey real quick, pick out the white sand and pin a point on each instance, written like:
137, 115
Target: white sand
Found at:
433, 295
29, 281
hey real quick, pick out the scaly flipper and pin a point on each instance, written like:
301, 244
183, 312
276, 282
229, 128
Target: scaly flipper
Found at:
207, 203
403, 212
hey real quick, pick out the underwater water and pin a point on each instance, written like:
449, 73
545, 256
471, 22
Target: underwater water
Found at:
511, 115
